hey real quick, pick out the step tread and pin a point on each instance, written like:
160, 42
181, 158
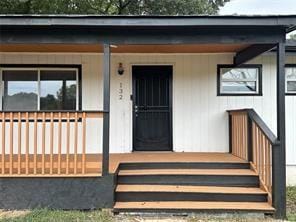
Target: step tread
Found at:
194, 205
191, 189
243, 172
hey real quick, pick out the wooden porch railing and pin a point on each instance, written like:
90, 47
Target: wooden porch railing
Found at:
44, 143
252, 140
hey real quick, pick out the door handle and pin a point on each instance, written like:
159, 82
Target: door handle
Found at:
136, 109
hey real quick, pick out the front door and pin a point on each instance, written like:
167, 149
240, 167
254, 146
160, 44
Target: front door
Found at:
152, 108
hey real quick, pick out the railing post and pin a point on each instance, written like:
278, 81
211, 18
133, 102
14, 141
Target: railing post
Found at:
250, 138
230, 131
106, 115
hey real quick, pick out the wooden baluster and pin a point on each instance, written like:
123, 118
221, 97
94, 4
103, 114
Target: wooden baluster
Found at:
3, 143
27, 144
267, 146
60, 143
263, 158
253, 142
19, 143
43, 143
51, 143
68, 142
239, 145
75, 142
234, 130
35, 142
257, 150
83, 141
11, 144
269, 166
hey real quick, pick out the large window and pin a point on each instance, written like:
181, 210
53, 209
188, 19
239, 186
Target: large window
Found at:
41, 88
291, 79
243, 80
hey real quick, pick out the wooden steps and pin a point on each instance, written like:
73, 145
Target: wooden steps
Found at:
191, 206
188, 188
231, 172
177, 188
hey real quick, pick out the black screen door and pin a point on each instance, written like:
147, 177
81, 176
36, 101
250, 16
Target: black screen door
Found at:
152, 108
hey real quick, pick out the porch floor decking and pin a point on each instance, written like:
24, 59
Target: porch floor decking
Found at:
93, 163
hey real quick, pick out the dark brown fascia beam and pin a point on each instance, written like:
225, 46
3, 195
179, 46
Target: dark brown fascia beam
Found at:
251, 52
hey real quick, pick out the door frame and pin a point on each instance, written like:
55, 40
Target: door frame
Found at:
172, 65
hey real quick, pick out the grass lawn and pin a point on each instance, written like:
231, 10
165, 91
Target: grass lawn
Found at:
291, 203
44, 215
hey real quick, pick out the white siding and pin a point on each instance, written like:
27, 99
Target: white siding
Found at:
200, 121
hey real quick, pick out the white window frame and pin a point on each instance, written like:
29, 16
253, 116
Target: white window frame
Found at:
256, 80
289, 80
39, 69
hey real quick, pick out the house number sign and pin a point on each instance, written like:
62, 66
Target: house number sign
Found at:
120, 91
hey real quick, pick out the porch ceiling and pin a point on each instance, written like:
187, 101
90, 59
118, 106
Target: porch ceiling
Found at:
96, 48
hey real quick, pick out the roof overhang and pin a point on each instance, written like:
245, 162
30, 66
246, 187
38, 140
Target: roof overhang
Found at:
286, 21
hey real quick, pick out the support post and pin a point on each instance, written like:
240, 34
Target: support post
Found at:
279, 153
106, 115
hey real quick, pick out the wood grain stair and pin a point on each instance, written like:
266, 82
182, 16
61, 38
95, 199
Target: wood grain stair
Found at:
189, 188
192, 206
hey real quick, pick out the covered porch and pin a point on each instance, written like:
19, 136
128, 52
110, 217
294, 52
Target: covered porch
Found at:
54, 143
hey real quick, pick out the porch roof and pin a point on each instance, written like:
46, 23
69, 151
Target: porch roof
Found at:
286, 21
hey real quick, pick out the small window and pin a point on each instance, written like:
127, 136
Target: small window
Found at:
40, 89
291, 80
244, 80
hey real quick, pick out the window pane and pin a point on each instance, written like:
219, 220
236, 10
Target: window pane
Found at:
241, 87
291, 73
291, 86
239, 73
20, 90
58, 90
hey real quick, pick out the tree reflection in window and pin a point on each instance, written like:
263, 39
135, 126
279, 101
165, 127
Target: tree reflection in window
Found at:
20, 90
58, 89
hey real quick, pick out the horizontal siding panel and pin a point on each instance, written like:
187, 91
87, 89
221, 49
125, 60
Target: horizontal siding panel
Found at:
200, 122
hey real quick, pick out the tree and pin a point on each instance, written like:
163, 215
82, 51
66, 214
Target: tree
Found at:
112, 7
292, 36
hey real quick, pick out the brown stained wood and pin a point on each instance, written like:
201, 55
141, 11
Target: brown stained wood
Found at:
3, 144
254, 143
59, 143
68, 142
43, 143
11, 144
19, 143
83, 141
196, 205
27, 143
187, 172
75, 143
191, 189
56, 115
35, 143
96, 48
51, 143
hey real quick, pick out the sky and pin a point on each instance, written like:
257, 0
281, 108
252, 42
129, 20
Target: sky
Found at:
259, 7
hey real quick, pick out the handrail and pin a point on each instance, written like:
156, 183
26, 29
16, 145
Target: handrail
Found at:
261, 149
260, 123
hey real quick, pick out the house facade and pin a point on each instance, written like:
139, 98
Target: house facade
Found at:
101, 105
